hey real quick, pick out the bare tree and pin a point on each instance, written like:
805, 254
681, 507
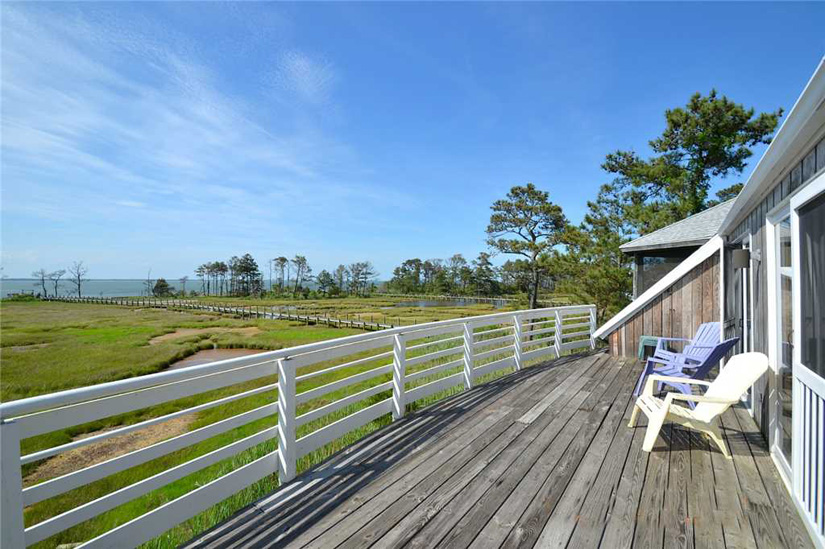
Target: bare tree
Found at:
281, 262
77, 272
150, 285
183, 280
302, 271
41, 276
54, 277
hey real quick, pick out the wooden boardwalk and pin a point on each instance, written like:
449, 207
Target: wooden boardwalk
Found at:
541, 458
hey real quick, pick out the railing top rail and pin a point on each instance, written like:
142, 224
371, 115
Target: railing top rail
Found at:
25, 406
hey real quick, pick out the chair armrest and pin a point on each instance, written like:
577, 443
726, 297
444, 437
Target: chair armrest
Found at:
673, 339
698, 398
660, 360
651, 379
658, 377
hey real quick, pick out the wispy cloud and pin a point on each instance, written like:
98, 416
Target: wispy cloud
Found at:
97, 113
130, 203
311, 80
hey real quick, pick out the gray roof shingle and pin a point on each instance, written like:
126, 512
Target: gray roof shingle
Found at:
691, 231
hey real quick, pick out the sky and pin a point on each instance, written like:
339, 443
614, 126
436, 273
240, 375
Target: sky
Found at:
158, 136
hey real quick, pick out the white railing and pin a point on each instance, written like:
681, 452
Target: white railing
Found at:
321, 392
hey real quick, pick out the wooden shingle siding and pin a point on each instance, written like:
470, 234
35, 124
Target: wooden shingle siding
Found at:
676, 312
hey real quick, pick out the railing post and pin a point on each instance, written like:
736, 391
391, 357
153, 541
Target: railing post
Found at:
286, 421
592, 327
12, 534
469, 345
517, 340
558, 333
399, 367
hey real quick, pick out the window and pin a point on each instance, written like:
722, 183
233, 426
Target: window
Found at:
812, 284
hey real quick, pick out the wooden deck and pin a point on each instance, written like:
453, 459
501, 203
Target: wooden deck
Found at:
542, 458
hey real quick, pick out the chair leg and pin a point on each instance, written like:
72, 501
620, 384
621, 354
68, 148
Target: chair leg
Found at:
654, 425
634, 417
640, 384
714, 434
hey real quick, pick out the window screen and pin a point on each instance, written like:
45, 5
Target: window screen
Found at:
812, 283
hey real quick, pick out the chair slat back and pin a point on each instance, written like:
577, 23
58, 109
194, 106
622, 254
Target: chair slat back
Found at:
713, 357
707, 334
733, 381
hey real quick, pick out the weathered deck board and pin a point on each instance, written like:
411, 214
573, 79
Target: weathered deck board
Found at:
543, 458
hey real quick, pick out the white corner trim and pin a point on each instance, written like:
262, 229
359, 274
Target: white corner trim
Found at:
708, 249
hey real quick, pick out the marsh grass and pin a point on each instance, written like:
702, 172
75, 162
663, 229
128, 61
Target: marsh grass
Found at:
103, 342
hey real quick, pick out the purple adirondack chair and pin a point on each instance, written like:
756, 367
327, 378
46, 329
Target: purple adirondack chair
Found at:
695, 350
686, 367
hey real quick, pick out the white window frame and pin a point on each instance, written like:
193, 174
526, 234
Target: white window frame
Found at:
813, 189
773, 218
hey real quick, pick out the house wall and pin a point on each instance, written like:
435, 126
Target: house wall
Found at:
676, 312
800, 169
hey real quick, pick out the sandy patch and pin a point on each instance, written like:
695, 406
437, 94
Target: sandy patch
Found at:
85, 456
188, 332
27, 347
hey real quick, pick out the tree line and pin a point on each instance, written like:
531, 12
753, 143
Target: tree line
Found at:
242, 276
708, 139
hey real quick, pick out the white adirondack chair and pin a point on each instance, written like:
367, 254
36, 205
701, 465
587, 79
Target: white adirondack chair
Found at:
732, 382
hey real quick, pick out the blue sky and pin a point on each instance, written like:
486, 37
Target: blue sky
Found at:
161, 135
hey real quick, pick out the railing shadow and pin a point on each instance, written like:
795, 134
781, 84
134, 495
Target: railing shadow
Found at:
289, 512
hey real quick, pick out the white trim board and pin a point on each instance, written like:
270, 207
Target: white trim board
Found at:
710, 247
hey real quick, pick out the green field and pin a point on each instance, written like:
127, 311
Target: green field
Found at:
53, 346
383, 310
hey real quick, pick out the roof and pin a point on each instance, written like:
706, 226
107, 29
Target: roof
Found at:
691, 231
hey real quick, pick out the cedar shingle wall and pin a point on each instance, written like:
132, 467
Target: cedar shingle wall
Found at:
676, 312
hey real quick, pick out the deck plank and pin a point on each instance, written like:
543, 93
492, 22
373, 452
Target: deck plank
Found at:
787, 515
530, 525
565, 517
591, 519
542, 457
758, 507
705, 515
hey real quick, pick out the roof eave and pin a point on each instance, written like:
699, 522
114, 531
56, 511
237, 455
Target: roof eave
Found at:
665, 246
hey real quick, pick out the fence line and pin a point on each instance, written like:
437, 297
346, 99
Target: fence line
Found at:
272, 312
325, 390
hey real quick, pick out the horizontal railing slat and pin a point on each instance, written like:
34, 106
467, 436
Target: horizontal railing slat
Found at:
306, 396
341, 403
494, 352
325, 435
414, 361
43, 454
423, 391
415, 376
536, 353
434, 342
159, 520
59, 485
78, 414
49, 527
352, 363
500, 364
